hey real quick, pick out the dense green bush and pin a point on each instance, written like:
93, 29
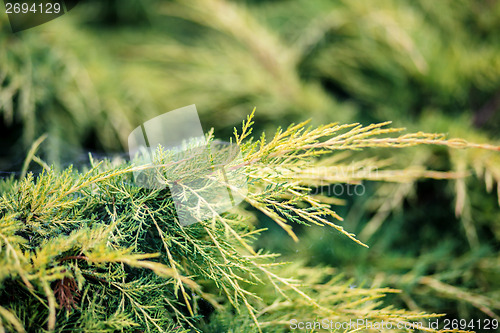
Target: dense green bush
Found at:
87, 79
92, 251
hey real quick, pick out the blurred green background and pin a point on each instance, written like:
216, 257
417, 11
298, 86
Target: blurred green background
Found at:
90, 77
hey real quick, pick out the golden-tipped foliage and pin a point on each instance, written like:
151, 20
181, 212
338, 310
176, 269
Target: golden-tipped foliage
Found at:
81, 249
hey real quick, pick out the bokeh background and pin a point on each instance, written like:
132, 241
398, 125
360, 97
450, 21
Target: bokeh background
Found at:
90, 77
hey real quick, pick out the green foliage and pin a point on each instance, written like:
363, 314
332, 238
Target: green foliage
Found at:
325, 60
91, 251
86, 80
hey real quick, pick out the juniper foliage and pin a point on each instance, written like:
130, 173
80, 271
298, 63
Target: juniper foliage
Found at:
424, 65
92, 251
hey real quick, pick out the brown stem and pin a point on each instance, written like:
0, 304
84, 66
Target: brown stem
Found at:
73, 258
